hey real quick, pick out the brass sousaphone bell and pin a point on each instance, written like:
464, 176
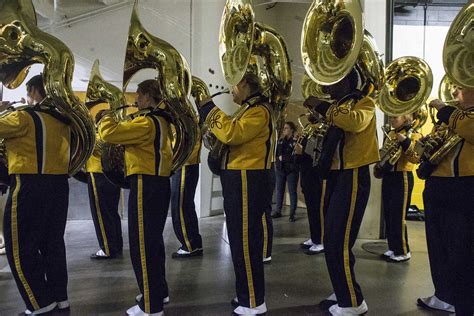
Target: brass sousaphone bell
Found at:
145, 51
331, 39
408, 84
458, 51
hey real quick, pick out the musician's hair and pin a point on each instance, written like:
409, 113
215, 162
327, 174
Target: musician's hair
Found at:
37, 83
253, 82
151, 87
291, 125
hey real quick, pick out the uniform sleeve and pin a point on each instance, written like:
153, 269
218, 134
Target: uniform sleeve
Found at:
13, 125
236, 132
353, 120
131, 132
462, 122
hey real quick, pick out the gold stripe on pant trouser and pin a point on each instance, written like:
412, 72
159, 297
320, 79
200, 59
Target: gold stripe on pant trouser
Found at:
347, 237
99, 216
16, 251
181, 210
141, 234
245, 242
265, 235
404, 212
321, 209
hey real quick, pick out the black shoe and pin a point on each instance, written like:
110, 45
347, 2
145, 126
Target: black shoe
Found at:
181, 253
292, 219
326, 304
234, 303
276, 215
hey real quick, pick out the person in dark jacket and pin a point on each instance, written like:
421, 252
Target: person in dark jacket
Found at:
286, 170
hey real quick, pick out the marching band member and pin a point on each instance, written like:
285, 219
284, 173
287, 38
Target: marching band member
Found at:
449, 209
104, 199
397, 186
348, 187
285, 170
183, 210
245, 178
37, 141
148, 159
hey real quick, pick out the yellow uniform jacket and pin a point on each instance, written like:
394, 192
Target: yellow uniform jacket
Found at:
408, 158
195, 157
94, 164
147, 143
37, 141
251, 137
459, 162
359, 146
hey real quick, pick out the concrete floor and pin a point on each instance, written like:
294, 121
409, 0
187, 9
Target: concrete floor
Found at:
295, 282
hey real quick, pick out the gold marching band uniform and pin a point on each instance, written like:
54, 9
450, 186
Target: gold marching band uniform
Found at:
397, 187
245, 177
148, 158
449, 207
37, 141
347, 193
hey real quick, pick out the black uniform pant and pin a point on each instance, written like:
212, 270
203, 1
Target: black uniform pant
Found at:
147, 211
396, 198
183, 210
34, 225
449, 211
104, 198
267, 218
347, 195
244, 204
313, 191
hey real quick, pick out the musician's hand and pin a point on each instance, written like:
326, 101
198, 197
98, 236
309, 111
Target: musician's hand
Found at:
101, 114
4, 105
401, 137
298, 149
280, 158
437, 104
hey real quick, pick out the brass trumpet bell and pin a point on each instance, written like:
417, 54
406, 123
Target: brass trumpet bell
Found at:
458, 52
331, 39
408, 84
236, 36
